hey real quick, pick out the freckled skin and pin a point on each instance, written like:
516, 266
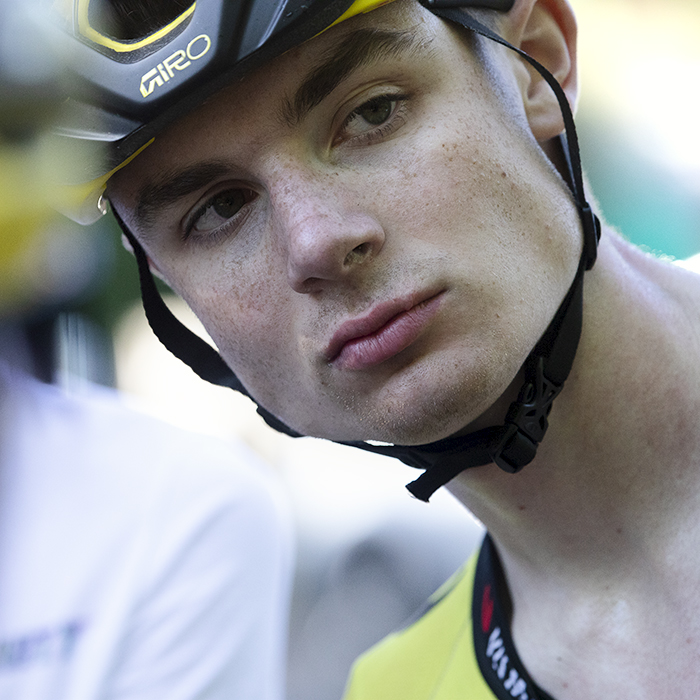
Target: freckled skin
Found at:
446, 202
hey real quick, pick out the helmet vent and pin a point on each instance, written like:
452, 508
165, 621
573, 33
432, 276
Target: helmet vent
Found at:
133, 20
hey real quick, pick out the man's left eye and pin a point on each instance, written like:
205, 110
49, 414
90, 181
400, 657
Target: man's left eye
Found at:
373, 119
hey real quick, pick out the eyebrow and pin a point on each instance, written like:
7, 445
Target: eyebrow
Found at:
359, 48
171, 186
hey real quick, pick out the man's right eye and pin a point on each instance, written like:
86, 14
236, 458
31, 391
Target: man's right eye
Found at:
219, 215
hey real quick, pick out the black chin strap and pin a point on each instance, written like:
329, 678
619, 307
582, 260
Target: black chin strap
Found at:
512, 445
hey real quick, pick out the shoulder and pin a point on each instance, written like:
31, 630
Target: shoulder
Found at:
433, 657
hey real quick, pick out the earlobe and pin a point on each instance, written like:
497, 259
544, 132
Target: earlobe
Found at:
545, 30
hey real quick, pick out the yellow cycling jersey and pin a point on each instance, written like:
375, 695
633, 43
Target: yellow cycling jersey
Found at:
458, 648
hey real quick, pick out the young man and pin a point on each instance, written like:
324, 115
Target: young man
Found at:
383, 231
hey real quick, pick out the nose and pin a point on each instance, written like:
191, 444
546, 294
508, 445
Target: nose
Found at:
328, 235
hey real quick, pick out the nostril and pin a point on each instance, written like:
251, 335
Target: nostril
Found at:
356, 254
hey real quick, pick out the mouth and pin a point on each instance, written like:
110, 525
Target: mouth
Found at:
384, 332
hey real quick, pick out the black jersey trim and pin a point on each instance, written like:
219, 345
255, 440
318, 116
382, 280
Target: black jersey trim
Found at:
492, 613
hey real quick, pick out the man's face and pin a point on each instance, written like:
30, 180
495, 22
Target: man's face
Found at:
372, 239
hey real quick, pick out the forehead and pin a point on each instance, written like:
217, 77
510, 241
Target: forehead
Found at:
407, 17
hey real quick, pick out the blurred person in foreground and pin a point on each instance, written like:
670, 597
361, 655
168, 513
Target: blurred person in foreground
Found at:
136, 560
378, 211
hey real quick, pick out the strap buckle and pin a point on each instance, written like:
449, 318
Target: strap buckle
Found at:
514, 451
526, 422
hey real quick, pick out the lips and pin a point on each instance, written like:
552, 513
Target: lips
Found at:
384, 332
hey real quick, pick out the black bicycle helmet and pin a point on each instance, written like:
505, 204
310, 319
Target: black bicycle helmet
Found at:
130, 87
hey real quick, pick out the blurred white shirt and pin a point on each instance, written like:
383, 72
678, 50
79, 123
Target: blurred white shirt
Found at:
137, 561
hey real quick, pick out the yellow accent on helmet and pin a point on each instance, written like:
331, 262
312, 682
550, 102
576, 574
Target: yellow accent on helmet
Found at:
80, 202
360, 7
93, 35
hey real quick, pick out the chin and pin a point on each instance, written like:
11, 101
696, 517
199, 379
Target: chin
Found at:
425, 403
412, 420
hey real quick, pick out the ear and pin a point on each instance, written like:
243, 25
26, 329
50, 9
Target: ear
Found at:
545, 30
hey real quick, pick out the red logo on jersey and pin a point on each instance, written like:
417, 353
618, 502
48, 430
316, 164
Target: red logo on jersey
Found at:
486, 609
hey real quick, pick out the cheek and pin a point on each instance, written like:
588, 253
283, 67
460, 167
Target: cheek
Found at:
235, 304
488, 197
488, 182
451, 191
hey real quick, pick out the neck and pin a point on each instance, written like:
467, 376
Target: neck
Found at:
617, 469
